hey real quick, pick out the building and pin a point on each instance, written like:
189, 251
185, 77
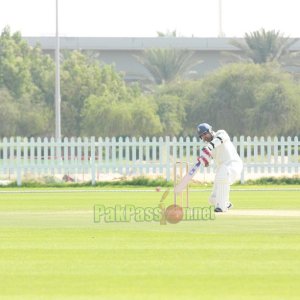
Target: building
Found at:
122, 52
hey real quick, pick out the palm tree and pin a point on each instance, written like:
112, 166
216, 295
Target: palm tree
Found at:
166, 65
264, 46
168, 33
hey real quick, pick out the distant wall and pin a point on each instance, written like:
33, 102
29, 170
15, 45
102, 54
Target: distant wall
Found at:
121, 51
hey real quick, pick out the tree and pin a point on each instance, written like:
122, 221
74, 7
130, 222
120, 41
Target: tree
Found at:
277, 111
263, 46
35, 118
248, 99
42, 70
26, 82
9, 114
168, 33
102, 116
171, 113
166, 65
81, 77
15, 63
23, 117
146, 122
109, 116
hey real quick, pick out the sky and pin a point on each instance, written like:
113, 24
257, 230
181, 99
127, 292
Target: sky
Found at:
144, 18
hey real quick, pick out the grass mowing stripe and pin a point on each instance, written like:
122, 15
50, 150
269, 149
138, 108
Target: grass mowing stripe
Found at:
68, 256
139, 190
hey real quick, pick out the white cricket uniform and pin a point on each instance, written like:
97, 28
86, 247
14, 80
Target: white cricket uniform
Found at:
228, 168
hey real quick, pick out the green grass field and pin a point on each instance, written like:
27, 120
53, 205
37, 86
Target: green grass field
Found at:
51, 248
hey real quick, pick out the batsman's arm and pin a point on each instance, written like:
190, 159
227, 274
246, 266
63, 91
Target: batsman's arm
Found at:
220, 138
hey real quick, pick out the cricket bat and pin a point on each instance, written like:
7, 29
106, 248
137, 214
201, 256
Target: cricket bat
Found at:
187, 178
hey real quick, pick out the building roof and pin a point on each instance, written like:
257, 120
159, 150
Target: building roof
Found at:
138, 43
133, 43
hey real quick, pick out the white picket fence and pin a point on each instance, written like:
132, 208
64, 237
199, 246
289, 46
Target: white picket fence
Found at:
103, 159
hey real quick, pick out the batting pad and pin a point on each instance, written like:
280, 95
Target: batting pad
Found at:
222, 188
222, 194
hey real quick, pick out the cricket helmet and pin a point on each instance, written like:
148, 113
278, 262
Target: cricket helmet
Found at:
203, 128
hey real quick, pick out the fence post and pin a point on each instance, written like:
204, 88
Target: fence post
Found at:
120, 155
19, 167
133, 155
296, 154
86, 158
262, 154
167, 156
92, 160
242, 150
154, 156
4, 167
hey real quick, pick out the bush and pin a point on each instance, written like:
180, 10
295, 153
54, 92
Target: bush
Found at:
137, 181
275, 181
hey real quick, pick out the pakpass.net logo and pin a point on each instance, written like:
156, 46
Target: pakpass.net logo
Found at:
132, 213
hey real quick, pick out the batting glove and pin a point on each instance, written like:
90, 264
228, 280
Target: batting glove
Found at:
206, 151
205, 156
203, 160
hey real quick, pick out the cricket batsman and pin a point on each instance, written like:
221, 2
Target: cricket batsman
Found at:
228, 164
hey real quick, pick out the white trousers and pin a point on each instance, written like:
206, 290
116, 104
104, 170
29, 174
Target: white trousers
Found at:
226, 174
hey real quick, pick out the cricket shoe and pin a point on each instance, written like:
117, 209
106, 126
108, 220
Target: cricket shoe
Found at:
230, 205
218, 209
